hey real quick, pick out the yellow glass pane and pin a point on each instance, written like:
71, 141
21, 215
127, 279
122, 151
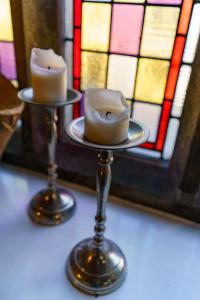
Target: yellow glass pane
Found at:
6, 32
93, 70
95, 26
159, 31
151, 80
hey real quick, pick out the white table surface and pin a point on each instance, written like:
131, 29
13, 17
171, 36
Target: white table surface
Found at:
163, 252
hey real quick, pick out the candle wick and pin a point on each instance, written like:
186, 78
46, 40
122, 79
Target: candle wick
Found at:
49, 67
108, 114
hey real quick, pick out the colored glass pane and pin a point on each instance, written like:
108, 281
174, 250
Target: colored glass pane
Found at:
163, 125
69, 18
140, 113
151, 80
76, 83
95, 26
6, 32
15, 83
185, 16
121, 74
193, 35
93, 70
170, 138
99, 0
126, 28
7, 60
77, 12
174, 67
77, 52
170, 2
159, 31
181, 88
130, 1
69, 61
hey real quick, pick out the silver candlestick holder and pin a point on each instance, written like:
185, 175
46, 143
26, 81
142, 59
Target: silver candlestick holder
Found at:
52, 205
96, 265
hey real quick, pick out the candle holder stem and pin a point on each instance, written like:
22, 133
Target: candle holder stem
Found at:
97, 266
105, 159
52, 141
53, 205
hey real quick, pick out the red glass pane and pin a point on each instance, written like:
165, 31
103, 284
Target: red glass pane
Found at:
163, 124
147, 145
76, 84
174, 67
76, 110
77, 13
76, 106
77, 52
185, 16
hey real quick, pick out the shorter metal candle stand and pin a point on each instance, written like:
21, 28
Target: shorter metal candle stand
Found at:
97, 266
52, 205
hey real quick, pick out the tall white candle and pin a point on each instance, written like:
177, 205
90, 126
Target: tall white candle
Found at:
106, 116
48, 76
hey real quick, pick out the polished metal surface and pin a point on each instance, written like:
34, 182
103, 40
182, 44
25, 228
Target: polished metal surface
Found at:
96, 270
72, 96
97, 266
51, 206
137, 135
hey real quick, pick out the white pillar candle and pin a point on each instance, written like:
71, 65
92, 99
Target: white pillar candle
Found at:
106, 116
48, 76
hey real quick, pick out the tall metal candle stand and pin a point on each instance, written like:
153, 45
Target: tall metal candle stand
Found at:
97, 266
52, 205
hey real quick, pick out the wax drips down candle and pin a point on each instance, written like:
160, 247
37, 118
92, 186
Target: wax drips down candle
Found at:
106, 116
48, 76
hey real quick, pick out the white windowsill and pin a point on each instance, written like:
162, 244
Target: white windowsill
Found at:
162, 251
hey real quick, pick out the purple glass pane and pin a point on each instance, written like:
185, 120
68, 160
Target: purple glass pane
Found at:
82, 105
126, 28
7, 60
171, 2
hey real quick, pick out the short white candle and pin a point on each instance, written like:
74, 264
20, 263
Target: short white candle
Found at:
48, 76
106, 116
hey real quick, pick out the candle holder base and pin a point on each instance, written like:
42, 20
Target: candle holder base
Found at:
96, 270
50, 207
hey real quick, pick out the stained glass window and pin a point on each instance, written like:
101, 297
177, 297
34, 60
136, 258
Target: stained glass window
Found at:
143, 48
7, 51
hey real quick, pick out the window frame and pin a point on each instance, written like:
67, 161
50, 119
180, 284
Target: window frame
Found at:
164, 185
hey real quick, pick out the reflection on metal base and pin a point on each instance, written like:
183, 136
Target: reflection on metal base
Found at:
52, 208
96, 270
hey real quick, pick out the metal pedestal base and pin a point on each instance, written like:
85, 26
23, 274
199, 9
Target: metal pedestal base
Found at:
96, 270
50, 207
